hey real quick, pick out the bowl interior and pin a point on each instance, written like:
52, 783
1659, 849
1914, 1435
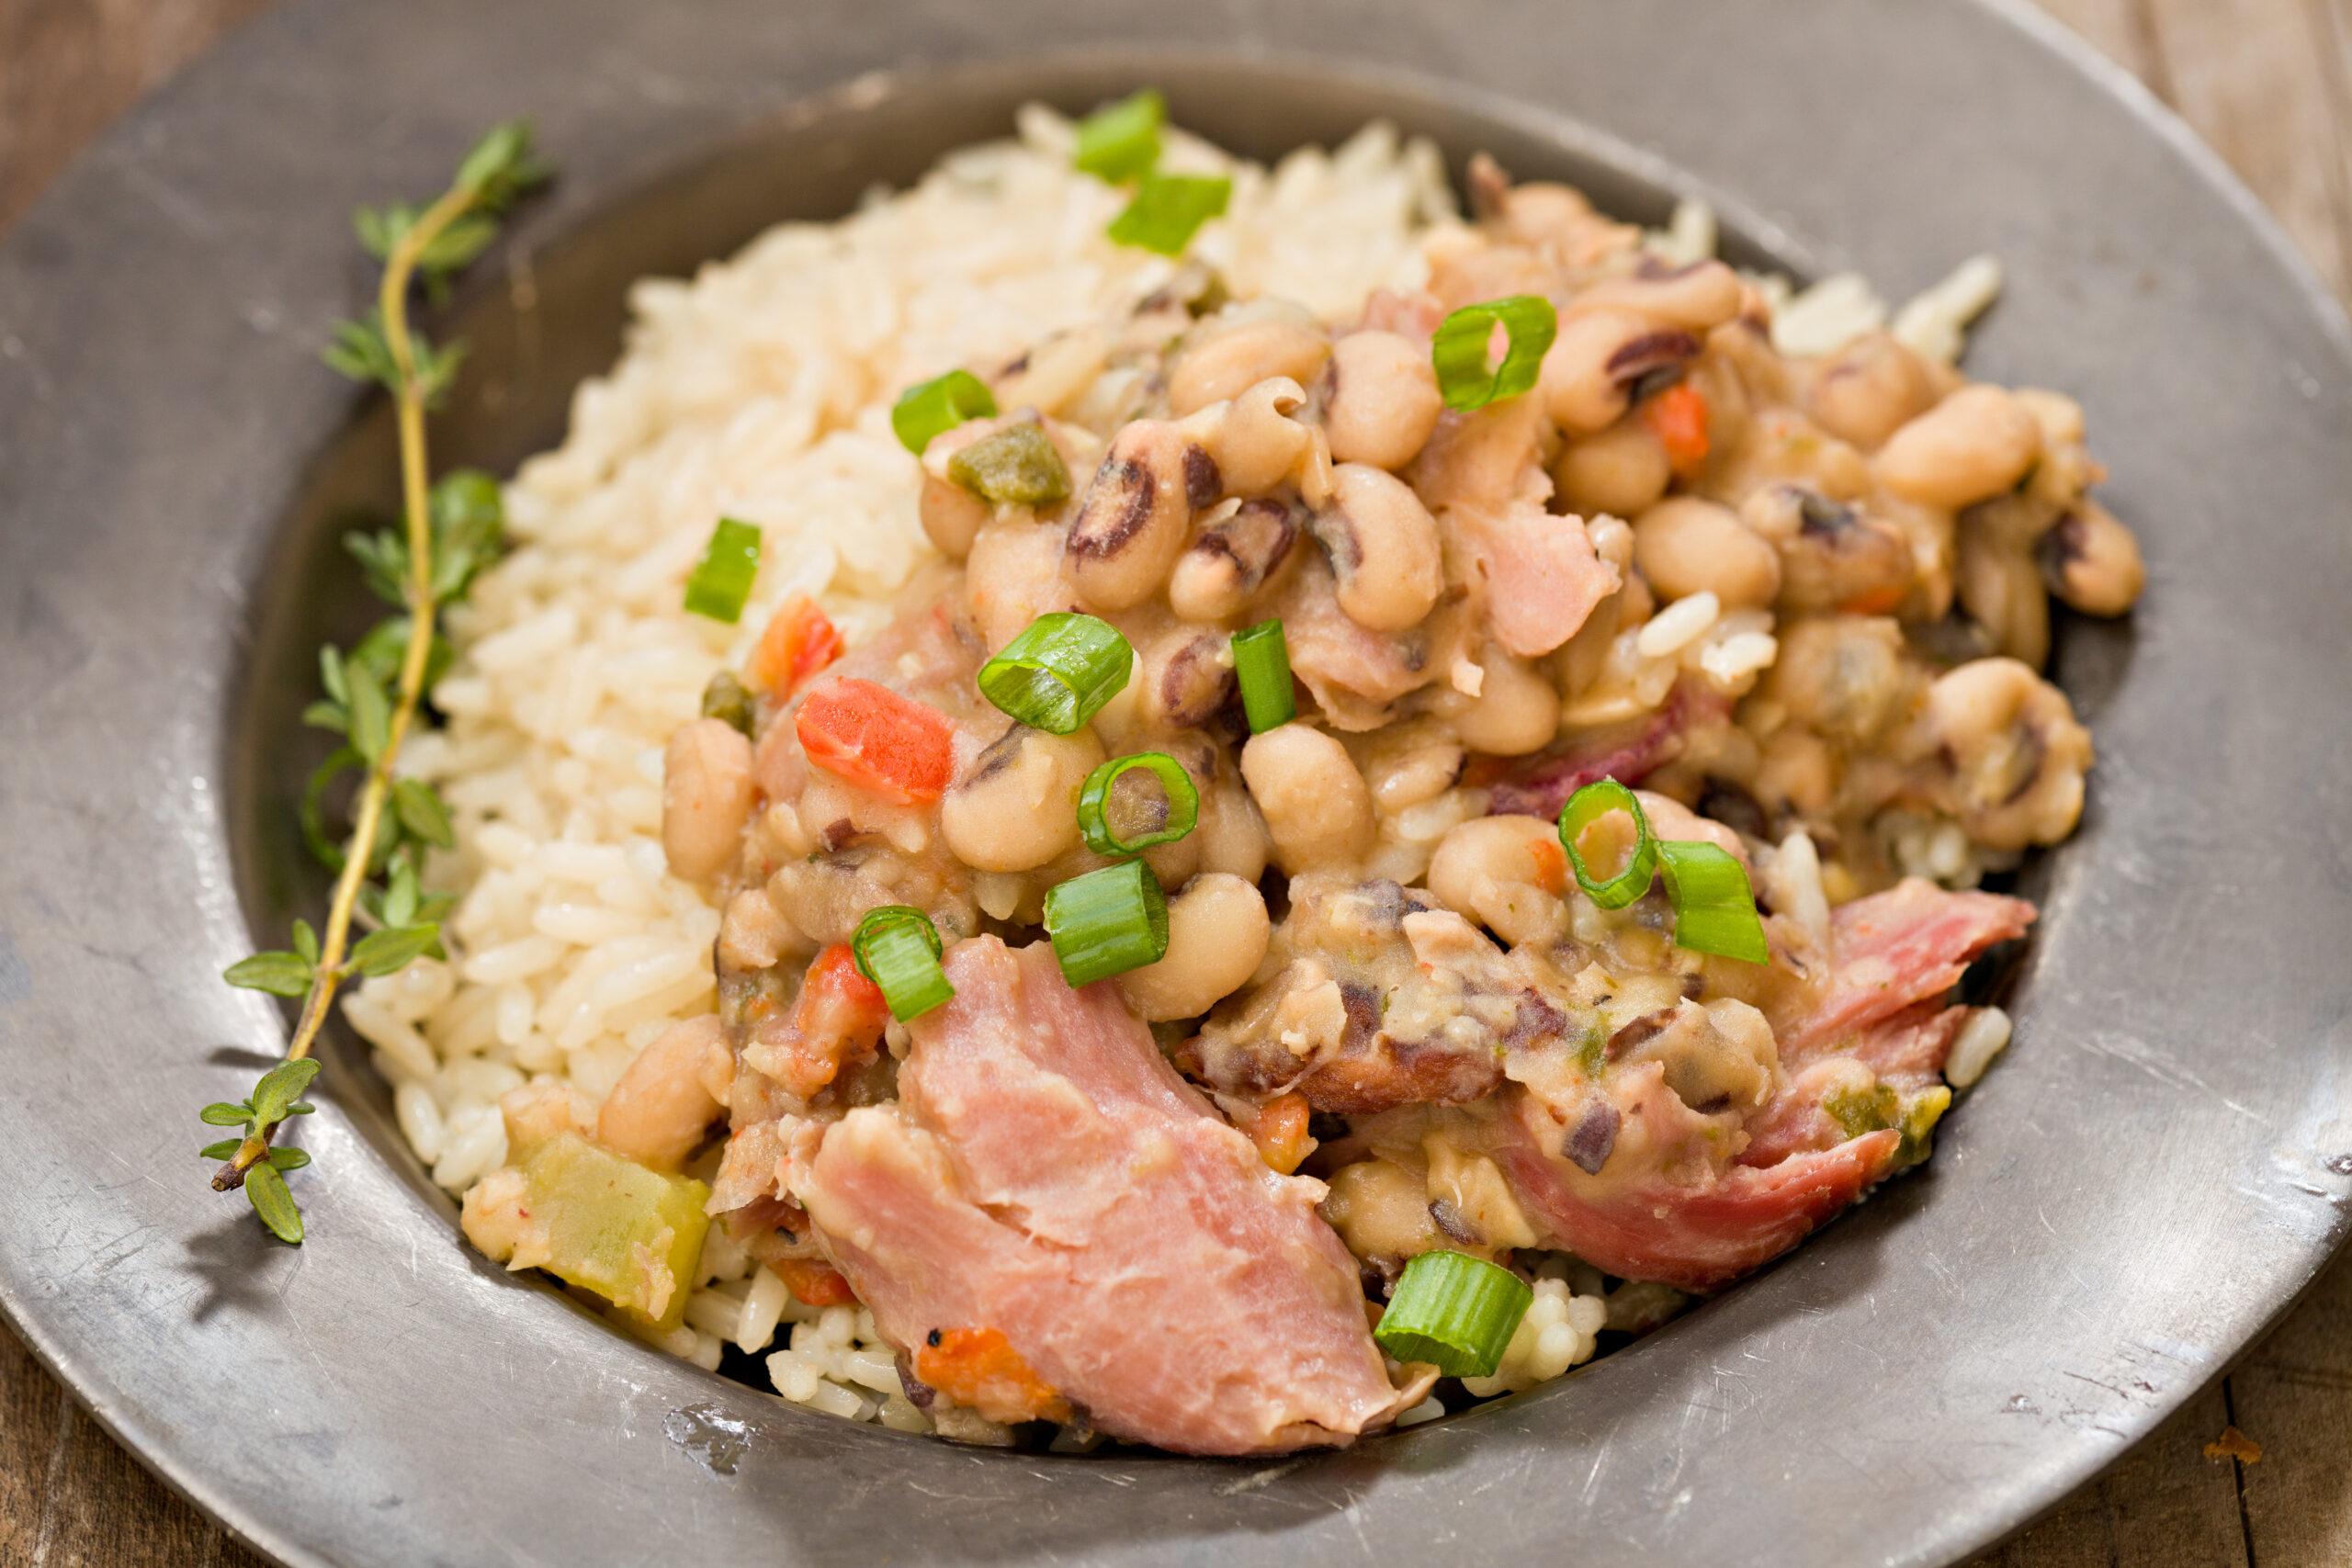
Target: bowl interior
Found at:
549, 309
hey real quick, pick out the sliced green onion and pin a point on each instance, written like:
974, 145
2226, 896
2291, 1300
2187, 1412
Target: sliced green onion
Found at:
1058, 672
1714, 908
721, 580
1120, 142
1261, 663
1177, 808
1589, 806
1455, 1312
1459, 349
898, 948
1168, 210
1107, 922
1018, 464
932, 408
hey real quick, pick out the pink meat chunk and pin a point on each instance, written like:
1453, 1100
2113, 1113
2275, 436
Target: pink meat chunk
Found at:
1540, 785
1542, 578
1045, 1173
1894, 950
1692, 1237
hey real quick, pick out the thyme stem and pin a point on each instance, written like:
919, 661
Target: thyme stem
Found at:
400, 269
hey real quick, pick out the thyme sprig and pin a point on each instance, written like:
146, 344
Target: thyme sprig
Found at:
449, 532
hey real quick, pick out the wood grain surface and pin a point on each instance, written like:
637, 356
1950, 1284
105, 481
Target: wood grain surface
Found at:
2267, 82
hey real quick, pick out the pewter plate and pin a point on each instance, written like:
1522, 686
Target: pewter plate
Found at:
2149, 1178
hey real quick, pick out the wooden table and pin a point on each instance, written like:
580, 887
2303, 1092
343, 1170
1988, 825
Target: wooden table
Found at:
2266, 81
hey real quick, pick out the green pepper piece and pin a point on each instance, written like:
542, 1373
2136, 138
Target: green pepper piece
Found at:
1018, 464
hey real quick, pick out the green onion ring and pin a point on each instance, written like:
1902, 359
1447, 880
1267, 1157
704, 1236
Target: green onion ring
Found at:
1454, 1312
721, 580
1107, 922
1058, 672
1589, 806
1168, 210
1120, 142
1458, 351
1183, 803
898, 948
1261, 665
1714, 907
931, 408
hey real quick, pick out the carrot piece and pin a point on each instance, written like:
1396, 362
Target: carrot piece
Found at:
1678, 415
798, 642
838, 1019
1279, 1129
872, 737
978, 1367
814, 1284
1878, 601
1551, 866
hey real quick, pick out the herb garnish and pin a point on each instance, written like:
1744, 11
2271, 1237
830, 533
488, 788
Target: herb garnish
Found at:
451, 530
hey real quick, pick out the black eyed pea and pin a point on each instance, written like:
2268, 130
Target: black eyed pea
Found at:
2000, 585
1016, 807
1187, 676
1833, 556
1507, 874
705, 797
1232, 836
2015, 752
1589, 371
1872, 389
1623, 471
671, 1094
1846, 677
1975, 444
1686, 545
952, 515
1253, 441
1233, 560
1217, 932
2092, 561
1240, 357
1384, 549
1698, 298
1133, 519
1131, 524
1516, 711
1315, 804
1380, 398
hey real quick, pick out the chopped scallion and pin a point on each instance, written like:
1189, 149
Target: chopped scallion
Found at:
1589, 806
1454, 1312
898, 948
1168, 210
1261, 663
931, 408
1120, 142
1122, 821
721, 580
1017, 465
1058, 672
1714, 907
1107, 922
1459, 349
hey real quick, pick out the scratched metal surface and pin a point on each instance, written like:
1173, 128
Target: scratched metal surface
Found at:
2150, 1177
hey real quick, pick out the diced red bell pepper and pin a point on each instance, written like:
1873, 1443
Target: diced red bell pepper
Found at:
872, 737
800, 641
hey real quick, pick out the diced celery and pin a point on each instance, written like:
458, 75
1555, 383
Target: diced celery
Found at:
631, 1235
